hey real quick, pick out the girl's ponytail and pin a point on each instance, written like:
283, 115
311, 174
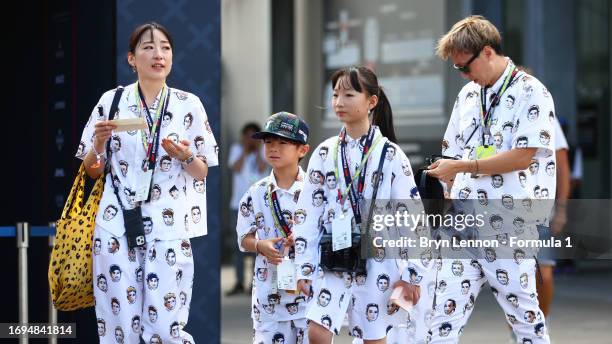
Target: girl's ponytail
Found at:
382, 116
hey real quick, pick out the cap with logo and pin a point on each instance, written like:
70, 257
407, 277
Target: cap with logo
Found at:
286, 125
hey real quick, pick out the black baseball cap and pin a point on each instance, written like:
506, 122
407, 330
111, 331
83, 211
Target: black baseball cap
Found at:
286, 125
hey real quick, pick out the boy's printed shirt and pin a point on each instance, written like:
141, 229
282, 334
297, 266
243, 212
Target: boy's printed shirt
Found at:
319, 202
523, 118
269, 304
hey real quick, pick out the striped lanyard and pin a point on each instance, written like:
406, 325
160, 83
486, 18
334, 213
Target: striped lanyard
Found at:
277, 213
354, 195
150, 138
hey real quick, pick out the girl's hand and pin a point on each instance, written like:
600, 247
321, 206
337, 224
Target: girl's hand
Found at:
102, 132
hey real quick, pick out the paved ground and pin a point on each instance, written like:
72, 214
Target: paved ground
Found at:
582, 311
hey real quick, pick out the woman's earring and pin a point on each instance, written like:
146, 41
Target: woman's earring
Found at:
133, 68
369, 112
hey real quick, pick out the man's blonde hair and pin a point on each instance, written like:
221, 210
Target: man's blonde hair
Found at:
469, 35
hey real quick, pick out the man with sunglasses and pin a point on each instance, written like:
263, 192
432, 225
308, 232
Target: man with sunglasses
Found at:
474, 47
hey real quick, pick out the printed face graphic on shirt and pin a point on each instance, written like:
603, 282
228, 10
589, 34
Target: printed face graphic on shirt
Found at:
199, 144
168, 216
482, 197
380, 254
198, 186
522, 142
136, 324
278, 338
326, 321
449, 306
170, 301
97, 246
317, 197
544, 137
513, 299
509, 102
115, 306
324, 298
256, 313
530, 316
316, 177
550, 168
81, 150
166, 119
152, 281
534, 113
307, 269
131, 295
139, 274
165, 163
101, 283
464, 193
382, 282
457, 268
292, 308
123, 165
390, 153
170, 257
119, 335
147, 224
360, 278
300, 245
113, 245
187, 121
534, 167
497, 180
465, 287
269, 308
323, 153
152, 314
498, 139
502, 276
330, 180
262, 274
115, 273
101, 327
109, 212
155, 192
115, 144
259, 220
186, 248
372, 312
507, 201
519, 256
299, 216
130, 196
196, 214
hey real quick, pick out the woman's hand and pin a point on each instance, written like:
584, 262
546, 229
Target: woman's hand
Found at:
179, 151
444, 169
412, 293
268, 249
103, 130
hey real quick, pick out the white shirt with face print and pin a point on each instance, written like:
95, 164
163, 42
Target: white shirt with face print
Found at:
131, 154
259, 219
528, 93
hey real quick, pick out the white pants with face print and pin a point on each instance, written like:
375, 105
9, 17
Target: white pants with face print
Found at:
364, 298
282, 332
513, 284
142, 292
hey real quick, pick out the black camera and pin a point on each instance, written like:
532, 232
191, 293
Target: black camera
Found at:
134, 227
345, 260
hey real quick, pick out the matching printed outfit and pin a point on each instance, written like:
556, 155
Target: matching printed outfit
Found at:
364, 297
524, 118
147, 291
278, 315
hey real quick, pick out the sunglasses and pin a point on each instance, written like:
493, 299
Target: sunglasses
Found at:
466, 67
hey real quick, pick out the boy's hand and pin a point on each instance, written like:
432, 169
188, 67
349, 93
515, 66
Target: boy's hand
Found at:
289, 241
266, 247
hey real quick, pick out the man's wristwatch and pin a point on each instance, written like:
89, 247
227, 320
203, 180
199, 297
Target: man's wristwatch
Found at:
189, 160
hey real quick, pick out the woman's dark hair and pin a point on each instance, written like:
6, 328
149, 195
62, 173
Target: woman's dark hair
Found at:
363, 79
138, 32
251, 126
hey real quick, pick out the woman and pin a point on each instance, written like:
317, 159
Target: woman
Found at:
149, 159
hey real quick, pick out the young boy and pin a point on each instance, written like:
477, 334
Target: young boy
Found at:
262, 228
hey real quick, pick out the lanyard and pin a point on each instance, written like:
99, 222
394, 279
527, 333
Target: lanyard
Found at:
277, 213
150, 142
485, 115
353, 194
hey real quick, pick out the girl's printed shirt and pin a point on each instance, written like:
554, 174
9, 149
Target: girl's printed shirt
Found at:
255, 215
177, 209
319, 202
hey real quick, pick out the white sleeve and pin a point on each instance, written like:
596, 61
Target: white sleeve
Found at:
560, 140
